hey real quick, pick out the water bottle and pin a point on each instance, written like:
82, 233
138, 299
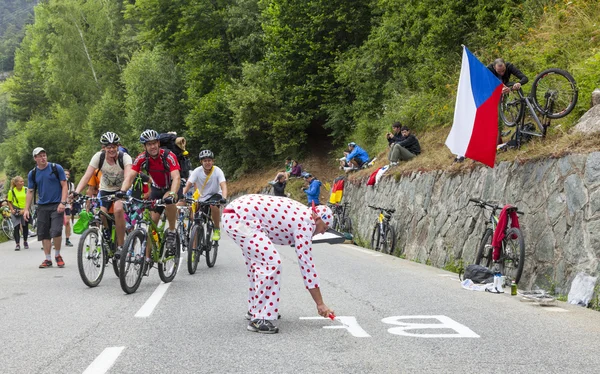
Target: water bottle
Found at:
513, 288
155, 235
498, 279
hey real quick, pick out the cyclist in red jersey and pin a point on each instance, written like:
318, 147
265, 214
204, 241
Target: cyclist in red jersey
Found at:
163, 168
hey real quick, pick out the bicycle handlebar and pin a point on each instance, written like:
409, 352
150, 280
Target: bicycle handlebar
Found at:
483, 204
382, 209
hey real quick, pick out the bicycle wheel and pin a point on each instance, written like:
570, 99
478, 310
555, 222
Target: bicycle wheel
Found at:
183, 239
347, 225
8, 228
513, 254
511, 108
211, 248
132, 262
554, 93
195, 248
484, 254
168, 266
389, 244
335, 223
115, 262
375, 237
90, 257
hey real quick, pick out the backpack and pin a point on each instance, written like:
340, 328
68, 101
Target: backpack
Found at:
34, 172
479, 274
103, 157
146, 165
170, 141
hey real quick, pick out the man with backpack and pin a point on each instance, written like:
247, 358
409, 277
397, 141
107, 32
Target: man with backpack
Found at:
48, 181
113, 165
162, 166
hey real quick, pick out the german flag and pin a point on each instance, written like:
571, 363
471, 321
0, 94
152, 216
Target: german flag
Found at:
337, 190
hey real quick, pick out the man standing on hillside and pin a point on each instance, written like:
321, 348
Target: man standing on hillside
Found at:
403, 145
49, 182
312, 188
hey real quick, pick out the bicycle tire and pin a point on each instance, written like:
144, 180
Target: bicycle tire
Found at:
513, 252
335, 224
375, 237
211, 248
347, 225
195, 248
132, 262
389, 244
116, 266
183, 239
484, 258
91, 256
7, 228
511, 109
561, 85
167, 269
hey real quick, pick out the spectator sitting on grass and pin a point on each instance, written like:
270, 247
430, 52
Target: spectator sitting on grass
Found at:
354, 158
296, 169
403, 145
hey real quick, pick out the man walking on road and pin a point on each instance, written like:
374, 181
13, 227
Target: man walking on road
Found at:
256, 223
49, 182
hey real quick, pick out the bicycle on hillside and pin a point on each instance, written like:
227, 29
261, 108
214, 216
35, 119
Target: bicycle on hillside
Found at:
512, 249
341, 222
97, 244
201, 242
132, 262
553, 95
7, 225
383, 237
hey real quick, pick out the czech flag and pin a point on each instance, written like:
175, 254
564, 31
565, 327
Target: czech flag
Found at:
474, 132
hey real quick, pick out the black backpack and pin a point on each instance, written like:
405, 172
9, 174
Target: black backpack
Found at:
34, 172
479, 274
168, 142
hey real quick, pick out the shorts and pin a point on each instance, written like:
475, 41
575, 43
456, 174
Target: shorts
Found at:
76, 208
158, 193
104, 203
358, 162
67, 211
49, 222
216, 198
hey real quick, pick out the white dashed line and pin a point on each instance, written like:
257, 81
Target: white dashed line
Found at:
153, 301
105, 361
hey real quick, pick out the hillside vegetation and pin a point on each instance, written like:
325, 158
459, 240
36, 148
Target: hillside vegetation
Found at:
257, 80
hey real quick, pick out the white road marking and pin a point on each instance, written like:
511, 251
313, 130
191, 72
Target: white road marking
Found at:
153, 301
348, 323
554, 309
367, 251
461, 331
104, 361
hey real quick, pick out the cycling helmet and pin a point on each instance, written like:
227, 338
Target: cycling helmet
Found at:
109, 138
148, 136
206, 154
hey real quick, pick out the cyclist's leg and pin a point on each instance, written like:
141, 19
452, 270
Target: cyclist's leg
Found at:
215, 212
119, 213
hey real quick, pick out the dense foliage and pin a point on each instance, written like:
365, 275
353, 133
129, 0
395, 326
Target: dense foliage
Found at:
14, 14
253, 80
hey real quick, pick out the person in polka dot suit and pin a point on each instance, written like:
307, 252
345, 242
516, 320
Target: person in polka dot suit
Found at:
256, 223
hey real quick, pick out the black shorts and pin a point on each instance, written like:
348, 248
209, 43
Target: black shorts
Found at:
216, 198
104, 203
49, 221
159, 193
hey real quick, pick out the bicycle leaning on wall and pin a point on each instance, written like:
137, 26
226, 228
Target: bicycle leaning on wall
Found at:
512, 249
383, 237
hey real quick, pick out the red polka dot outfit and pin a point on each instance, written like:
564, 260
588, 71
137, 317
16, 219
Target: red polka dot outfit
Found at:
256, 223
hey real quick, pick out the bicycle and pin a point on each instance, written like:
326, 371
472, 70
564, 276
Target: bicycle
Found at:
7, 225
183, 229
133, 265
512, 250
97, 244
341, 222
201, 236
384, 236
553, 94
33, 221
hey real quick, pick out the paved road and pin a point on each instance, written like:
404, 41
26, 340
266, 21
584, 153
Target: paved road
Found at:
52, 323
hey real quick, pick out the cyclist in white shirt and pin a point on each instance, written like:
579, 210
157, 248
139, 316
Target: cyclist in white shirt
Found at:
211, 185
114, 165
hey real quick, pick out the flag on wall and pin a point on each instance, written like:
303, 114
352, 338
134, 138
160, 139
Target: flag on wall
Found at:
337, 190
474, 132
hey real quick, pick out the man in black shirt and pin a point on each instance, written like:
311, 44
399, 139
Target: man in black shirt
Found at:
403, 145
503, 70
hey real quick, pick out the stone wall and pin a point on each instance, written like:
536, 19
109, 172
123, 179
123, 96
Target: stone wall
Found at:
434, 223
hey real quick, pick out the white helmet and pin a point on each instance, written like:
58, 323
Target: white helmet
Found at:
206, 154
148, 136
109, 138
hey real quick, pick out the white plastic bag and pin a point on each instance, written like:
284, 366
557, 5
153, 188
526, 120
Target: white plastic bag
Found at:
582, 289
